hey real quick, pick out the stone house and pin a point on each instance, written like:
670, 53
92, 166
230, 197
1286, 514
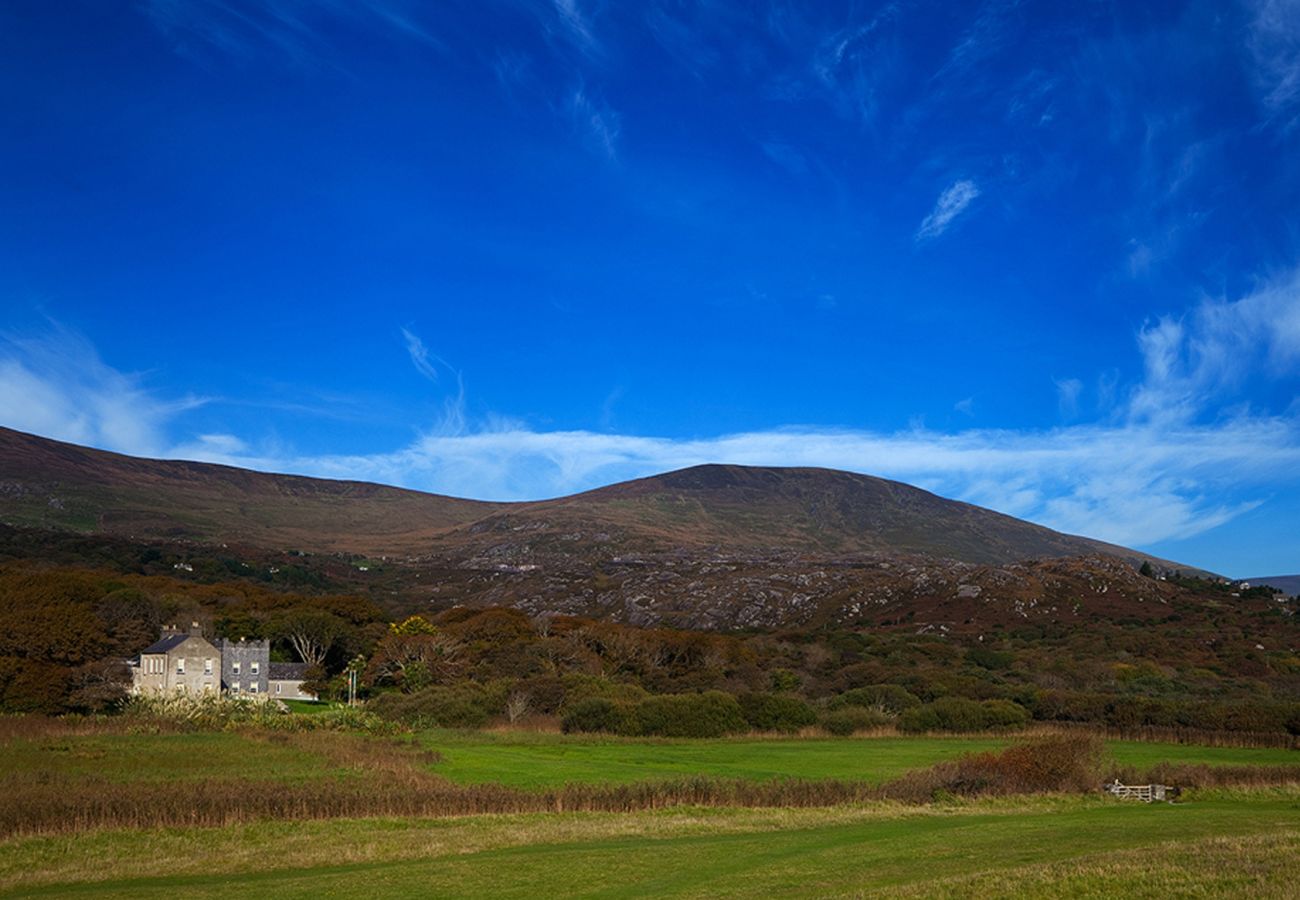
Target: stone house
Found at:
179, 661
285, 681
245, 666
186, 662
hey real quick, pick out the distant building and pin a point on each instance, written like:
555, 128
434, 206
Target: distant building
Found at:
178, 661
285, 681
245, 666
186, 662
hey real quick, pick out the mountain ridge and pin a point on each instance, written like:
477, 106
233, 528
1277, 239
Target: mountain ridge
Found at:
718, 507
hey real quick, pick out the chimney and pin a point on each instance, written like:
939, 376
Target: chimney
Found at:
196, 629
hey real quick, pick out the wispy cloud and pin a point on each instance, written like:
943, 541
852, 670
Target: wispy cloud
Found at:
295, 29
951, 204
851, 65
1125, 483
597, 124
1195, 359
420, 356
786, 156
427, 364
1068, 391
988, 33
1274, 45
576, 26
57, 385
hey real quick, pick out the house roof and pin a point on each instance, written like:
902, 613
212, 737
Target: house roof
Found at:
286, 671
171, 642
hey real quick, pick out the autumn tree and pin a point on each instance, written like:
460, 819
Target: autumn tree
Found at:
312, 633
414, 654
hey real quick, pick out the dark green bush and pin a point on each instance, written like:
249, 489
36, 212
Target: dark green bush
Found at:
776, 712
1004, 714
850, 719
545, 692
595, 714
960, 714
889, 698
579, 687
988, 658
711, 714
465, 705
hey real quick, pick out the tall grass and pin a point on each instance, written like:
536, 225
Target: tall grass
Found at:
391, 778
1176, 735
208, 712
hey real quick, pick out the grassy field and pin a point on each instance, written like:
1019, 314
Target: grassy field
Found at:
1244, 842
533, 760
165, 758
1221, 843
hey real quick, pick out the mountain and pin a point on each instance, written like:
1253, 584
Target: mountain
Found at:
1287, 584
705, 509
50, 484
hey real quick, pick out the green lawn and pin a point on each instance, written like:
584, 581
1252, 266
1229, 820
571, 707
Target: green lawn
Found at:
1222, 844
543, 760
308, 707
162, 758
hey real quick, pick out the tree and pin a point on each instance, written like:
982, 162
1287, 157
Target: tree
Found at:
311, 632
517, 706
414, 660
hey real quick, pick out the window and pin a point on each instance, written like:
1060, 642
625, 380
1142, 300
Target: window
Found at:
207, 667
234, 668
253, 667
279, 688
252, 687
180, 665
234, 687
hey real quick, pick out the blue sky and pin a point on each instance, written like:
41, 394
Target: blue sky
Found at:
1043, 257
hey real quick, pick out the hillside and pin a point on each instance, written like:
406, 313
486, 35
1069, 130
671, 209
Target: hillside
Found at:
818, 511
705, 509
50, 484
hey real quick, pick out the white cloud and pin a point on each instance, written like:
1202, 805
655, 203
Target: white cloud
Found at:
951, 204
1125, 483
57, 385
1197, 358
1170, 464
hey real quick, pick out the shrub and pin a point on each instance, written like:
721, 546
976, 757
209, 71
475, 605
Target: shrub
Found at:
595, 714
988, 658
547, 692
1004, 714
1058, 763
465, 705
851, 719
711, 714
785, 680
960, 714
775, 712
888, 698
216, 712
578, 687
